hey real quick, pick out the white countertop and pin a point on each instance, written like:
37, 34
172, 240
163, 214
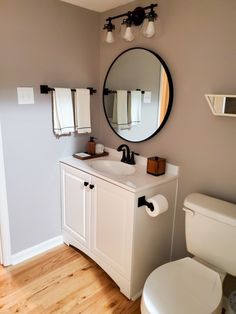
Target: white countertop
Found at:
136, 182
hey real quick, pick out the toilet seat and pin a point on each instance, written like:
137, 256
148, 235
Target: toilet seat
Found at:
182, 287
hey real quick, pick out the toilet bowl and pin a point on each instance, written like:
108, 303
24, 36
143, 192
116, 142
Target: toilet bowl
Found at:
182, 287
194, 285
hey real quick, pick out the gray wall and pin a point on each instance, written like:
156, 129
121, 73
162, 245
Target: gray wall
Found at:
197, 41
55, 43
42, 42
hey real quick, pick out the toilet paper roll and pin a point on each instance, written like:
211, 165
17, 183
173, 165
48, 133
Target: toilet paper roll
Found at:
160, 204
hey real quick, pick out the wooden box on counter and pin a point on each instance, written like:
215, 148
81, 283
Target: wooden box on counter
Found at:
156, 165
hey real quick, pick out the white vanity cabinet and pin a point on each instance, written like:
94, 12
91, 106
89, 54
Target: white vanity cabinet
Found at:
98, 219
75, 205
112, 227
102, 219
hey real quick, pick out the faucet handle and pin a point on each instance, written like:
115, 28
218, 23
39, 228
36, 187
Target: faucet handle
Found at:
132, 160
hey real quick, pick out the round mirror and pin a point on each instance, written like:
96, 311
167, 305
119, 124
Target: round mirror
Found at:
137, 94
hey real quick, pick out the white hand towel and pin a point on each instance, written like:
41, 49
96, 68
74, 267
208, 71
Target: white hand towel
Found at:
63, 116
134, 107
120, 113
114, 112
82, 111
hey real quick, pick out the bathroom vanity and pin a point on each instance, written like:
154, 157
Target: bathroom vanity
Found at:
101, 216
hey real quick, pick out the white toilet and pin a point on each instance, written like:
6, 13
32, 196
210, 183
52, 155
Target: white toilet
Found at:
194, 285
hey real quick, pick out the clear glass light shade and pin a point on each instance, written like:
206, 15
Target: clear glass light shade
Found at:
128, 34
149, 31
122, 30
109, 37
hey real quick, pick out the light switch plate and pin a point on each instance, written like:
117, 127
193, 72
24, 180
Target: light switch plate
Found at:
25, 95
147, 98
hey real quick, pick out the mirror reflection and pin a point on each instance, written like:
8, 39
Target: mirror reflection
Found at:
137, 94
222, 104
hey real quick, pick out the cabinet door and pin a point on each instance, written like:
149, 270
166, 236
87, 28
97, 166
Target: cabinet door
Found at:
75, 204
112, 225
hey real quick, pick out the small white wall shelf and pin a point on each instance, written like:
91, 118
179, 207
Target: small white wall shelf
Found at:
222, 105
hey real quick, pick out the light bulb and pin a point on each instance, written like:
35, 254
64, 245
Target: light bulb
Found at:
150, 30
128, 35
110, 37
122, 30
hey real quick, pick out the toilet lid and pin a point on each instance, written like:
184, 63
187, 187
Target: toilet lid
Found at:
182, 287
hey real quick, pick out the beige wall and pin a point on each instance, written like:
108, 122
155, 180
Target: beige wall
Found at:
42, 42
55, 43
197, 41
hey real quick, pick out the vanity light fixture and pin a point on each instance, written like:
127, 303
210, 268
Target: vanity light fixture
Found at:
128, 33
150, 30
133, 18
109, 27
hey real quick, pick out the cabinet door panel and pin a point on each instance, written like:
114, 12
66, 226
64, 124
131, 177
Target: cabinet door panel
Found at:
75, 203
112, 225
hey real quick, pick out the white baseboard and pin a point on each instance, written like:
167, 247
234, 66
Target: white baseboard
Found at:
137, 295
35, 250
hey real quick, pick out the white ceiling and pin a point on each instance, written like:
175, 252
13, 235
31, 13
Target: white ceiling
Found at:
98, 5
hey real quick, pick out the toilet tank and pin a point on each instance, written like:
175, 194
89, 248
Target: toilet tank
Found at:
210, 228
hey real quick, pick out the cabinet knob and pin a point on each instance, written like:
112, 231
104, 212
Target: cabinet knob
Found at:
91, 186
86, 183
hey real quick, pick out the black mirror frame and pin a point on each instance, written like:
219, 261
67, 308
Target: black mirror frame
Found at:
171, 93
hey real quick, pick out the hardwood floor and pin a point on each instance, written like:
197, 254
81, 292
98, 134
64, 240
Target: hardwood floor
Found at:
61, 281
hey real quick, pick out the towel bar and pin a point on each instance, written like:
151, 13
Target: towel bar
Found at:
45, 89
107, 91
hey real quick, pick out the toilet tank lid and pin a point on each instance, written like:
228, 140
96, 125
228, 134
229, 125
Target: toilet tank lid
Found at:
212, 207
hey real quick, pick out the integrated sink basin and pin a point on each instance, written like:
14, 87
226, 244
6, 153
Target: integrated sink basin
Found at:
113, 167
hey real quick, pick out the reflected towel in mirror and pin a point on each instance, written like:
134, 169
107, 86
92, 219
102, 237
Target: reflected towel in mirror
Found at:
120, 110
134, 107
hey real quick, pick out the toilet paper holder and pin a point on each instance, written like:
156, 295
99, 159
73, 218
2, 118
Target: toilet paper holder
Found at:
142, 202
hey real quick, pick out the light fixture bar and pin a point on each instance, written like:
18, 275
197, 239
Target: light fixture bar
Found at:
132, 18
132, 13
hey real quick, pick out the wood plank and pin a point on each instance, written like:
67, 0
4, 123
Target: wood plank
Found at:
21, 274
61, 281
